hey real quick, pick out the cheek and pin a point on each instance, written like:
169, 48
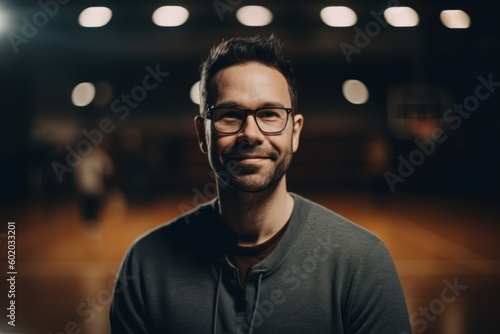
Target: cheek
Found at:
282, 144
219, 145
285, 140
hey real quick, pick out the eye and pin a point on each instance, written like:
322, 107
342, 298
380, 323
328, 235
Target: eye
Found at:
270, 114
228, 114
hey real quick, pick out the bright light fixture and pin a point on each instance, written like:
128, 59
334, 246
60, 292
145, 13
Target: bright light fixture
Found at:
254, 16
338, 16
401, 17
94, 17
195, 93
83, 94
355, 91
455, 19
170, 16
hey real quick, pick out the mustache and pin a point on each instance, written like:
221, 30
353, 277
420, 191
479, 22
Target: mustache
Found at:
243, 149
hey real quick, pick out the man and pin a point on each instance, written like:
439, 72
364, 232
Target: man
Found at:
90, 176
257, 259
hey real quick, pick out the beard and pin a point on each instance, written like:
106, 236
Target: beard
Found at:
251, 178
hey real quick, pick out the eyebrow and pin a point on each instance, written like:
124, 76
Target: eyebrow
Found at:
263, 105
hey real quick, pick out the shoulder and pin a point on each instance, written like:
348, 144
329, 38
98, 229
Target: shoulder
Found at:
322, 223
186, 232
320, 217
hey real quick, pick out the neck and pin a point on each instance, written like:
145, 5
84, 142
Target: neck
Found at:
255, 217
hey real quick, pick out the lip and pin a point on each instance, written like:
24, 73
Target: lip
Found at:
244, 157
249, 158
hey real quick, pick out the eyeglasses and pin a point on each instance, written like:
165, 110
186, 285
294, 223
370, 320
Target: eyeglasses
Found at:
230, 120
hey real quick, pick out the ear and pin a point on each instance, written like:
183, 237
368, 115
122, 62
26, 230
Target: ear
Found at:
298, 122
199, 123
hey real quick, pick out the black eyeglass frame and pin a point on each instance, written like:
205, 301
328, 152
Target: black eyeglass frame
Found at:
208, 115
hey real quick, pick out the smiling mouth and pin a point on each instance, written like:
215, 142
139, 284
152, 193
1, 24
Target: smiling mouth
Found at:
240, 157
249, 159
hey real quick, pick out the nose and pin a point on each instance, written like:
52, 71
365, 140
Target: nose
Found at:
250, 132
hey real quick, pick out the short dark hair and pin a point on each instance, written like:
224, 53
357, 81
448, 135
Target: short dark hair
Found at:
242, 50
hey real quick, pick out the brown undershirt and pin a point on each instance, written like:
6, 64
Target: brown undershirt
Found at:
243, 257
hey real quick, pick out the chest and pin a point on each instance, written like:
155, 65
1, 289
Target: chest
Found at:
291, 300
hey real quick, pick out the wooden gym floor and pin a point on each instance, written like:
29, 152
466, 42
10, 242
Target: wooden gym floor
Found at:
65, 276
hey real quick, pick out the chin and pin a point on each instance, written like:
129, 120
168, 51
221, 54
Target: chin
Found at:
254, 183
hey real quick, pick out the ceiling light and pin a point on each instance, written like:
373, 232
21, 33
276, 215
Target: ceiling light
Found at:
94, 17
170, 16
355, 91
254, 16
83, 94
401, 17
455, 19
338, 16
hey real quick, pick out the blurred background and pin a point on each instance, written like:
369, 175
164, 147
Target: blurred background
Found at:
97, 144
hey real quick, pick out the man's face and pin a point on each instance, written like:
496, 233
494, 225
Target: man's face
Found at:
249, 160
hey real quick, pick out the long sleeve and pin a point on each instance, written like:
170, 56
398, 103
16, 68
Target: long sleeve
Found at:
376, 300
127, 312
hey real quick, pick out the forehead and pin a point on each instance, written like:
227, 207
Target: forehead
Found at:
250, 85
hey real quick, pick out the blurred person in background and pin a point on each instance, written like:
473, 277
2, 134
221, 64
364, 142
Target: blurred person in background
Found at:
257, 258
90, 178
